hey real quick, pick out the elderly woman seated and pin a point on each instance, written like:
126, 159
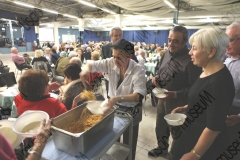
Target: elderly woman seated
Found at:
40, 58
73, 85
34, 94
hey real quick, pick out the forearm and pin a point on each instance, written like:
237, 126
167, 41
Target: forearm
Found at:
205, 141
127, 98
39, 144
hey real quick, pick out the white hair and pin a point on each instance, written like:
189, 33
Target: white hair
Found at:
114, 28
76, 60
142, 51
89, 49
233, 25
206, 39
38, 53
13, 48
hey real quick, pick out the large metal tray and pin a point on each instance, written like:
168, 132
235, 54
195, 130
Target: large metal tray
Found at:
77, 144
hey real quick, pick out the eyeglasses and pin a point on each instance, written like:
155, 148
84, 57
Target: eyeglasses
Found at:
233, 40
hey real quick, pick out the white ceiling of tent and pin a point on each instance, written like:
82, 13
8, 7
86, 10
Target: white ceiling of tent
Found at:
135, 14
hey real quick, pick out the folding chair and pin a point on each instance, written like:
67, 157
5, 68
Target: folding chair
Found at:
19, 69
9, 78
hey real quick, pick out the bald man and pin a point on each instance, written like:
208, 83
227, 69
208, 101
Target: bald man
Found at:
19, 60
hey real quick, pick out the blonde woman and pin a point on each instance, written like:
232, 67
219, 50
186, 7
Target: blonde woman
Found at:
95, 55
39, 57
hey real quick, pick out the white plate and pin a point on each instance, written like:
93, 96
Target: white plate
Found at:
159, 92
6, 130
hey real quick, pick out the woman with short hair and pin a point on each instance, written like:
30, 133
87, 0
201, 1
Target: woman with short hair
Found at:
127, 83
39, 57
34, 94
203, 135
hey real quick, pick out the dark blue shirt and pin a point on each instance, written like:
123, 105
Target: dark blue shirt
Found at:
54, 58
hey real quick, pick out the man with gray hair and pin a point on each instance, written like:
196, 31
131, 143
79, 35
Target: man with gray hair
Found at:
76, 60
176, 74
47, 54
19, 60
233, 64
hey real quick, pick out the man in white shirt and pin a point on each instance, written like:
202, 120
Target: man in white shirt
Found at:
141, 58
127, 83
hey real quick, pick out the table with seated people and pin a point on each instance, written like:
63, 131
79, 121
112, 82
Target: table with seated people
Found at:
150, 67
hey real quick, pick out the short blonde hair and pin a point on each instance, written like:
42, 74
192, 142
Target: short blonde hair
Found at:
136, 48
206, 39
38, 53
96, 55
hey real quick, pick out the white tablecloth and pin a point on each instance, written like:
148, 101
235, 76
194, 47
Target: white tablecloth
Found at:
7, 96
150, 67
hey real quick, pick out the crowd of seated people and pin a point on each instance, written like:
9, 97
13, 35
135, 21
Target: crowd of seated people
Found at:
202, 138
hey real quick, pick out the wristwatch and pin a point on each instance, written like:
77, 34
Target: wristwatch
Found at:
30, 151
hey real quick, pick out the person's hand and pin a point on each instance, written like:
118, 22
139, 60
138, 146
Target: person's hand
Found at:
180, 110
43, 135
54, 86
232, 120
84, 77
121, 60
108, 104
189, 156
169, 95
154, 81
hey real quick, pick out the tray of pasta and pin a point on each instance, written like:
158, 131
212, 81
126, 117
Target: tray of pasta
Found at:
78, 130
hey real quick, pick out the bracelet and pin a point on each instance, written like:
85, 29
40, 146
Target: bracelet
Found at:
195, 153
30, 151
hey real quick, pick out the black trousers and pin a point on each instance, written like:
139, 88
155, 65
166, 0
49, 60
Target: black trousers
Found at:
163, 130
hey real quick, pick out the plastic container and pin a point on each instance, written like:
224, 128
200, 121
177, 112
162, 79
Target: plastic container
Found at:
27, 118
175, 119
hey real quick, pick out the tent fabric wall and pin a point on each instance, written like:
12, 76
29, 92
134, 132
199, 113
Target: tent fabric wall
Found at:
30, 35
190, 33
128, 35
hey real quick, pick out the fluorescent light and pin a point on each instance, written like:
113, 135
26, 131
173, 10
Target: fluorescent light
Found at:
51, 11
169, 4
106, 10
88, 4
24, 4
70, 16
